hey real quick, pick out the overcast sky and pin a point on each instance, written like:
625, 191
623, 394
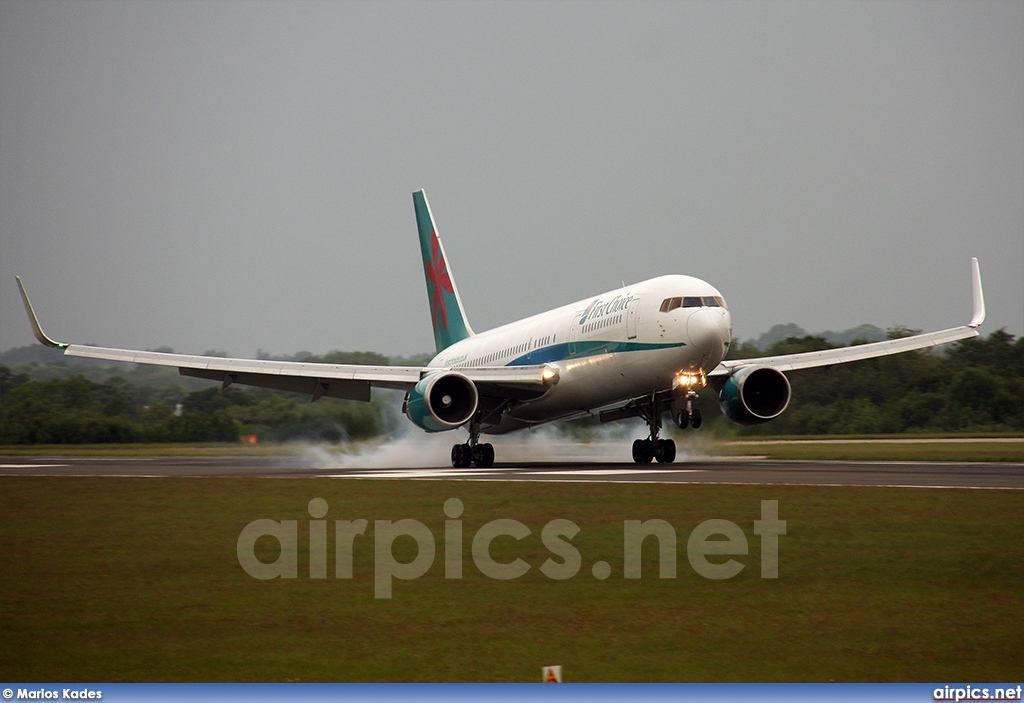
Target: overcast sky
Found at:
238, 175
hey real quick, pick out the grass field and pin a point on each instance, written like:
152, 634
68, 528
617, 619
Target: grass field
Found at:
121, 579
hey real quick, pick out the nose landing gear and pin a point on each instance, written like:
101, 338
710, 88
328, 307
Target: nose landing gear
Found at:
688, 415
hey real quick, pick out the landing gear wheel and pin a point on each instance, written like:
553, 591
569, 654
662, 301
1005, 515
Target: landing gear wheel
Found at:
483, 456
682, 419
665, 451
643, 451
462, 456
695, 418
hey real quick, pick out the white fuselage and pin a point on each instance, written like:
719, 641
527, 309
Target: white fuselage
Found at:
609, 349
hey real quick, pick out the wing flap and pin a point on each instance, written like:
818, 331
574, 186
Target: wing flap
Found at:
314, 387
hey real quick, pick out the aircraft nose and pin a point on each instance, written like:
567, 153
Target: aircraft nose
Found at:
708, 330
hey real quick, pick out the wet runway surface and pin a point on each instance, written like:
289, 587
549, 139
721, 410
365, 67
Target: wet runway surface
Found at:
717, 470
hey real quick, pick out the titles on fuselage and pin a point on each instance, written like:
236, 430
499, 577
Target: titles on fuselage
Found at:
600, 309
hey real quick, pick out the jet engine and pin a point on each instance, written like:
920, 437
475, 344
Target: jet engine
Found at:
442, 401
754, 394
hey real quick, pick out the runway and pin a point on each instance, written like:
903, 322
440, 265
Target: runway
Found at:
718, 470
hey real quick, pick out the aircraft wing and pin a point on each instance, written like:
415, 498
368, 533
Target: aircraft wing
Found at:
348, 381
843, 355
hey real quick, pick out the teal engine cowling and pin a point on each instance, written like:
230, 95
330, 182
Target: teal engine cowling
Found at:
754, 394
442, 401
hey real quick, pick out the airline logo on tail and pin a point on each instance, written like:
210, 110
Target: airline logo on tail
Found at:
439, 283
446, 314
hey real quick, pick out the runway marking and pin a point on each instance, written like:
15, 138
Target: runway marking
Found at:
498, 479
613, 472
495, 474
420, 473
32, 466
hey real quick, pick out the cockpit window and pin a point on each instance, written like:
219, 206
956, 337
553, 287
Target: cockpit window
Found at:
671, 304
693, 301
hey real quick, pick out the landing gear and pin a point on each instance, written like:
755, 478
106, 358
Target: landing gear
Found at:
647, 450
688, 417
462, 456
480, 455
643, 451
473, 452
651, 409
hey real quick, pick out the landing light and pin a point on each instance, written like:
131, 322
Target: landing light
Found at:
689, 379
549, 374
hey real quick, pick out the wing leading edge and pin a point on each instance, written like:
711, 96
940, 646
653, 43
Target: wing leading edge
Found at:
843, 355
348, 381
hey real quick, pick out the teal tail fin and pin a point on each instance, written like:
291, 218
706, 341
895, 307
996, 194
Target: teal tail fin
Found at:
446, 313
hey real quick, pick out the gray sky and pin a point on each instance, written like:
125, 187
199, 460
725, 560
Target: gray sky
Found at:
238, 175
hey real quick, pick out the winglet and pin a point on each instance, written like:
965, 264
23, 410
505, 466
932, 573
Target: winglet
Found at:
36, 328
979, 297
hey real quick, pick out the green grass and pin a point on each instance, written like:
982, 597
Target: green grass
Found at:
120, 579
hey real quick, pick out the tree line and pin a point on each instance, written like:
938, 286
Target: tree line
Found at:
976, 385
79, 410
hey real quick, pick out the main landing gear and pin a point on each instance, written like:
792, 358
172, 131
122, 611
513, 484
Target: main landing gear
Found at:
646, 450
465, 455
664, 450
473, 452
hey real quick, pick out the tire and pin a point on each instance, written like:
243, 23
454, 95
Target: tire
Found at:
483, 457
643, 451
461, 456
695, 418
666, 453
682, 419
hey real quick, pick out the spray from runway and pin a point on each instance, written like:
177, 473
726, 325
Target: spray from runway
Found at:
409, 448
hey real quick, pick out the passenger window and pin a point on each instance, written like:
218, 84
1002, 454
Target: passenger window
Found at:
691, 301
710, 301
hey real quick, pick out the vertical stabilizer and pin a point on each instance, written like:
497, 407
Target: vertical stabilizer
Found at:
446, 313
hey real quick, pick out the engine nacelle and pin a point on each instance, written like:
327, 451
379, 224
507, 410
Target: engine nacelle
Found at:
754, 394
442, 401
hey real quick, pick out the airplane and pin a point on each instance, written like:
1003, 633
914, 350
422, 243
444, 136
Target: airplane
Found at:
642, 350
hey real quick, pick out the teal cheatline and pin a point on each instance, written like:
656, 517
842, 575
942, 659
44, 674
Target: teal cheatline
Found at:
446, 313
563, 351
